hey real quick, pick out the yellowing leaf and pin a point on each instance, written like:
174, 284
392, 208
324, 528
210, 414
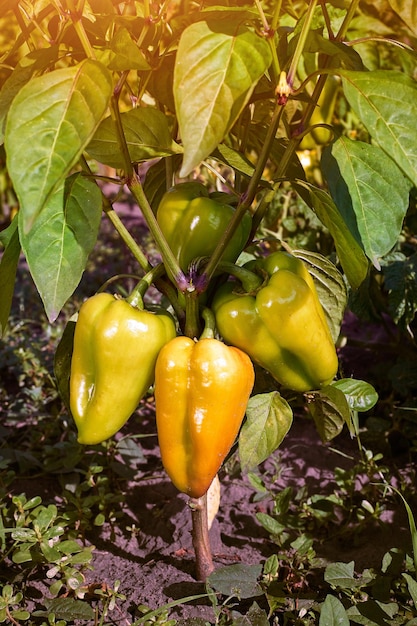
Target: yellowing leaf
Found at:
216, 71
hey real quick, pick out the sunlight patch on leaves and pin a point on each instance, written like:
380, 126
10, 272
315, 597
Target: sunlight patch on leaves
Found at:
333, 613
28, 66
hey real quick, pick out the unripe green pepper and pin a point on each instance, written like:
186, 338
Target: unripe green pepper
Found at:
113, 363
193, 222
201, 392
282, 326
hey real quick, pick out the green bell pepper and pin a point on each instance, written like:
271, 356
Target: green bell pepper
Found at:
193, 222
282, 325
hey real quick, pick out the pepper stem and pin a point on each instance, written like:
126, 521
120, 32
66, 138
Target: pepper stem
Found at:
209, 324
135, 298
200, 535
250, 281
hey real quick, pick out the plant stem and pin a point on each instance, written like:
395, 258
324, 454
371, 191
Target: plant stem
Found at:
250, 281
192, 317
136, 296
173, 270
246, 201
126, 236
348, 18
82, 35
300, 43
200, 535
114, 105
294, 141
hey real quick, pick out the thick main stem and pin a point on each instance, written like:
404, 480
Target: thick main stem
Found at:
201, 540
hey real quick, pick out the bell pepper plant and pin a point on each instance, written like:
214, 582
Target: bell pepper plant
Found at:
196, 140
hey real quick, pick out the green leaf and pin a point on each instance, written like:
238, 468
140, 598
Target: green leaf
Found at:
126, 54
254, 617
234, 159
20, 614
28, 66
62, 237
411, 523
238, 580
155, 184
370, 191
217, 67
400, 277
332, 613
351, 256
341, 575
50, 122
360, 395
330, 287
147, 135
67, 609
374, 613
22, 555
386, 103
272, 525
268, 419
8, 268
412, 587
330, 411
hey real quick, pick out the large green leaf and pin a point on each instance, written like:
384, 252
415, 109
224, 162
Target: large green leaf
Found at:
61, 239
268, 419
370, 191
147, 135
350, 253
49, 124
28, 66
8, 267
217, 67
386, 103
